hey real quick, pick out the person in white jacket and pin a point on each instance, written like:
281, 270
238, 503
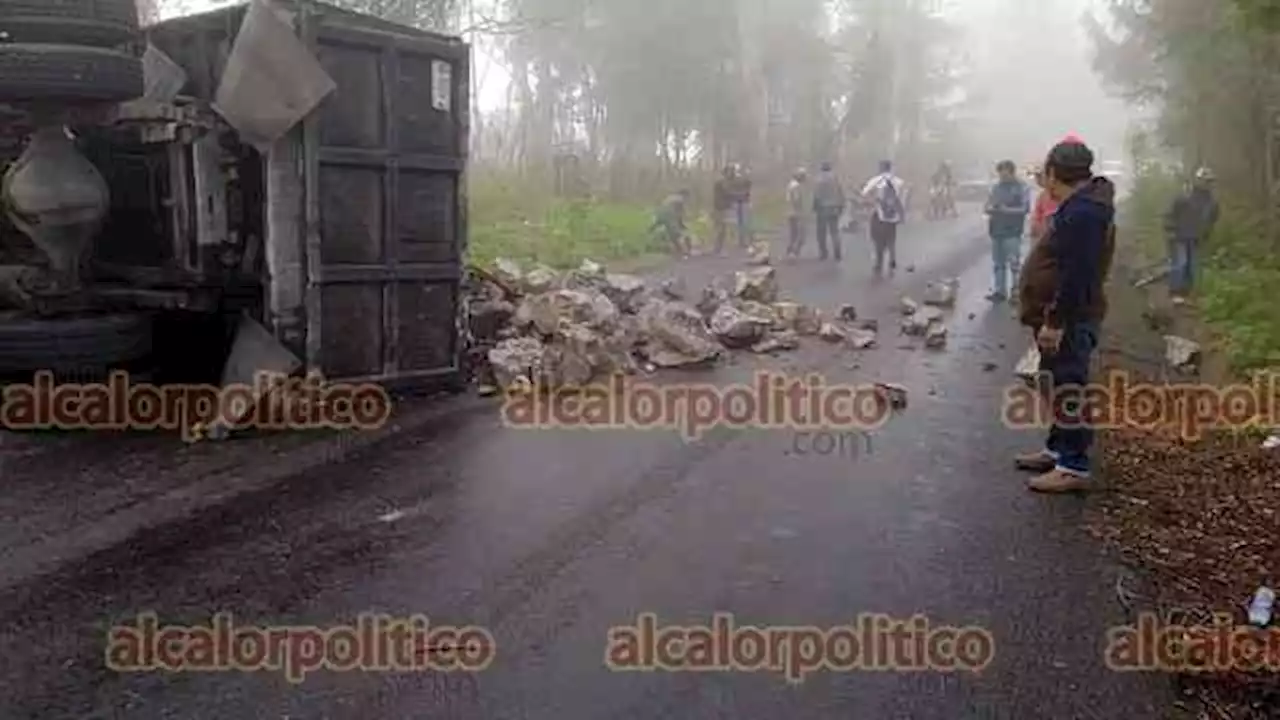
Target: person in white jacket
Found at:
887, 193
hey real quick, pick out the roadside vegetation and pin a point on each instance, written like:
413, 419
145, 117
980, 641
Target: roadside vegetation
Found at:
514, 218
1197, 518
1210, 68
1239, 273
524, 219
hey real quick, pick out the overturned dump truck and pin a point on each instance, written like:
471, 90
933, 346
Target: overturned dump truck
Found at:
283, 171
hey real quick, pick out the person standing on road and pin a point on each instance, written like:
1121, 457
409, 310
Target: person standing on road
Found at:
828, 205
722, 206
1043, 209
796, 212
742, 205
1062, 300
1007, 210
1188, 223
887, 192
670, 219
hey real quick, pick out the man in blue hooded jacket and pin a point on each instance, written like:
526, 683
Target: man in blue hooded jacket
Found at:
1062, 300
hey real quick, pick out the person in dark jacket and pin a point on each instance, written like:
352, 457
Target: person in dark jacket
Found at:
722, 205
1007, 210
742, 206
670, 219
1188, 223
828, 205
1062, 300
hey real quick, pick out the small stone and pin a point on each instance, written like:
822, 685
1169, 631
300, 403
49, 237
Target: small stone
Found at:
862, 339
942, 294
936, 336
831, 333
674, 289
990, 367
909, 306
776, 342
896, 394
1181, 353
848, 313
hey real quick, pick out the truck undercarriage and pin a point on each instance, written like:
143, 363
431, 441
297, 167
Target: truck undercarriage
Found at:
150, 214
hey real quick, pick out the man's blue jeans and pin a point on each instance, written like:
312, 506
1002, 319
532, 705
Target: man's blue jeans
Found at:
744, 223
1182, 256
1070, 437
1006, 261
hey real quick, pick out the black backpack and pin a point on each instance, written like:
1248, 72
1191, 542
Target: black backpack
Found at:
891, 209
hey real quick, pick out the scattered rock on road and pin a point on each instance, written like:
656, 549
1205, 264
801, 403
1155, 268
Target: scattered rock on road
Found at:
516, 360
935, 336
677, 335
942, 294
803, 319
539, 280
508, 272
674, 289
860, 339
777, 341
737, 329
848, 313
895, 394
760, 284
915, 325
1181, 353
832, 333
909, 306
625, 291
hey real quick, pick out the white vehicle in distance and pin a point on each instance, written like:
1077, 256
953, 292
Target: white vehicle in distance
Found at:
1112, 170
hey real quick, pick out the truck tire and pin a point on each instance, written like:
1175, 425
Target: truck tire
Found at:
68, 73
79, 348
102, 23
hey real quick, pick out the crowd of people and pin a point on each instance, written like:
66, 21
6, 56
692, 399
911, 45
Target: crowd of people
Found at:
883, 198
1058, 289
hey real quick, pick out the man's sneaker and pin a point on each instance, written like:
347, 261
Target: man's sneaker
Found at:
1040, 461
1059, 481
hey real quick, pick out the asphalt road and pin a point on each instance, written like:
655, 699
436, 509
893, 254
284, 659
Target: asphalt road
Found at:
548, 538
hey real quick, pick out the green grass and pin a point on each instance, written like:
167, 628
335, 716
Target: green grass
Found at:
513, 218
1238, 275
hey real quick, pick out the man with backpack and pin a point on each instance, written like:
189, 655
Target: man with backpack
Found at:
887, 193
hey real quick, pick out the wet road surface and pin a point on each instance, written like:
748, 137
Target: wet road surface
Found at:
550, 537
